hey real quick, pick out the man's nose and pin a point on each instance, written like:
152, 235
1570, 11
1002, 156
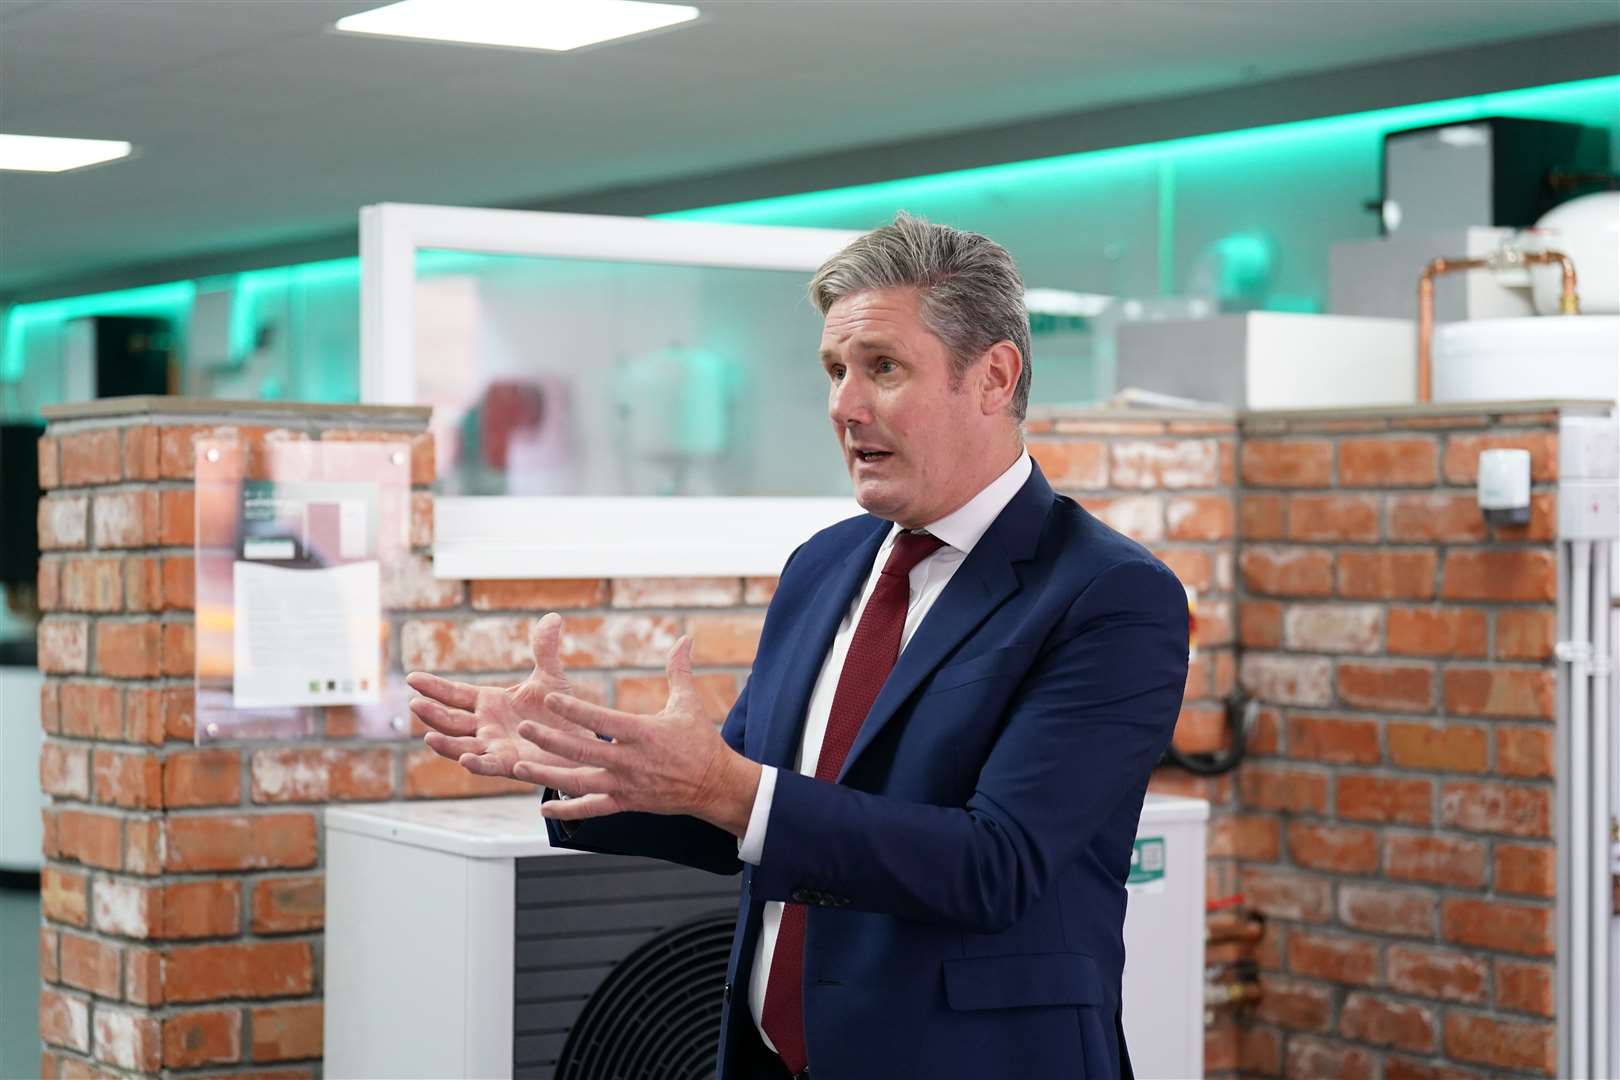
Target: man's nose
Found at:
849, 403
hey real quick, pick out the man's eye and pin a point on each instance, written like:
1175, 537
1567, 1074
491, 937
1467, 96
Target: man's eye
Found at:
885, 365
835, 373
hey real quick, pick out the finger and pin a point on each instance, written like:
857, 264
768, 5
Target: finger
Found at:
574, 779
487, 764
440, 718
452, 748
614, 724
683, 694
545, 639
586, 806
458, 695
586, 749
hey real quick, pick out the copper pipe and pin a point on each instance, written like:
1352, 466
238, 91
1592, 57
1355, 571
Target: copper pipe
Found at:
1568, 303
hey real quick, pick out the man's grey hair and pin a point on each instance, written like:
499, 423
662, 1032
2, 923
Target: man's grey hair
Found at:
972, 295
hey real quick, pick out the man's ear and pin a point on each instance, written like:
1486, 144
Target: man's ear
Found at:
998, 380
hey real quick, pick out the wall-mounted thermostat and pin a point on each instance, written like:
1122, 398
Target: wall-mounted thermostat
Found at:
1504, 486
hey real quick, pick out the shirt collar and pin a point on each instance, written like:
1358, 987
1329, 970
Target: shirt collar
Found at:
962, 528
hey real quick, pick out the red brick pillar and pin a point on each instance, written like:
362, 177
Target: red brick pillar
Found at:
182, 887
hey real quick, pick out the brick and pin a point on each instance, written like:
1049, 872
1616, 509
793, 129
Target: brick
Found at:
1282, 571
287, 1032
202, 1037
1526, 869
539, 595
1192, 566
125, 519
480, 644
1462, 455
1387, 686
1072, 463
1260, 517
1344, 849
1438, 747
429, 776
1399, 461
1525, 635
90, 457
1388, 910
1386, 574
202, 909
48, 584
310, 774
1287, 894
408, 584
92, 583
63, 522
423, 467
1498, 924
143, 976
128, 1039
1333, 518
203, 778
1200, 729
130, 779
64, 645
1319, 1058
1140, 517
1284, 788
1288, 680
177, 518
1524, 751
1500, 1042
1333, 957
239, 842
1293, 463
676, 592
64, 1020
179, 712
1221, 1041
49, 948
759, 590
1524, 986
1382, 1021
1436, 631
64, 895
144, 846
1527, 574
127, 908
724, 639
64, 770
1334, 628
1497, 691
50, 463
90, 838
142, 588
179, 583
1260, 624
92, 710
1435, 517
1245, 836
1295, 1004
1437, 973
1214, 623
179, 649
91, 964
1542, 526
285, 905
249, 970
1340, 740
50, 706
1367, 797
647, 694
1159, 465
1513, 809
1200, 517
129, 649
1093, 426
1438, 859
142, 446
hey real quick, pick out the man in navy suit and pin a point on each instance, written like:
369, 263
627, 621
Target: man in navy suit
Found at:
932, 778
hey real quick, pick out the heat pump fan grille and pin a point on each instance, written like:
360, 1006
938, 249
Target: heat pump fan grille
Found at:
657, 1015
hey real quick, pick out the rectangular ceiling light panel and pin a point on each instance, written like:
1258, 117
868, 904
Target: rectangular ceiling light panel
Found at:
44, 153
555, 25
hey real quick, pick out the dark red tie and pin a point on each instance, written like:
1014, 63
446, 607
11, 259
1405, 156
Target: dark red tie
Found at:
872, 653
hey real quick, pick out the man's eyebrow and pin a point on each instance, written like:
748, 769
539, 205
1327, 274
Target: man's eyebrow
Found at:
864, 344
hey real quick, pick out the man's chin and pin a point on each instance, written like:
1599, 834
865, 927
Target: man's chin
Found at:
877, 499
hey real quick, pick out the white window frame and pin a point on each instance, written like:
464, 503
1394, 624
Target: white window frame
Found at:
513, 536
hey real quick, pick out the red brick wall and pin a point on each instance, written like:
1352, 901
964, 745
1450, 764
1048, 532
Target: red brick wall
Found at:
1393, 820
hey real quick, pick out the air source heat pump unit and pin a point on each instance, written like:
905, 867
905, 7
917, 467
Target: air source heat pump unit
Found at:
459, 943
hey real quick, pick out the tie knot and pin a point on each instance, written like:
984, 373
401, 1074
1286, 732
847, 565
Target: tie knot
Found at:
910, 548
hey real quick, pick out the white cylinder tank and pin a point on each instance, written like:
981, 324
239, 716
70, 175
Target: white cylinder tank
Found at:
1558, 356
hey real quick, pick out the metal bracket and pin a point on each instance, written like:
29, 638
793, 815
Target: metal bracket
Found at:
1573, 652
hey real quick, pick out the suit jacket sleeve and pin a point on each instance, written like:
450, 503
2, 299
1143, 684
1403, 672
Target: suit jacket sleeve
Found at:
677, 838
1082, 733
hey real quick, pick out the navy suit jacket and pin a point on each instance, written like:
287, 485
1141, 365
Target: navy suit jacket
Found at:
965, 876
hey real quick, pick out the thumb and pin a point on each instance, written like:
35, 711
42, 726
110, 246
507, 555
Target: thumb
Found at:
683, 695
545, 638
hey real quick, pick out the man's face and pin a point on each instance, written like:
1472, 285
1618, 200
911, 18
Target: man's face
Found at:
902, 426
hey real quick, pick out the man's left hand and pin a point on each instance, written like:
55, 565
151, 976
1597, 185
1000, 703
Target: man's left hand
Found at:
673, 762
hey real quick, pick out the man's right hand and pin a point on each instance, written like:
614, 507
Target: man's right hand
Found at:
476, 726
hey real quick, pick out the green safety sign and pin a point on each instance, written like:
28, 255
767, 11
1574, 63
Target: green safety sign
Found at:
1147, 863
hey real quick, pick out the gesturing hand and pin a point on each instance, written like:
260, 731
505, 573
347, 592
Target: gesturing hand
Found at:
673, 762
477, 726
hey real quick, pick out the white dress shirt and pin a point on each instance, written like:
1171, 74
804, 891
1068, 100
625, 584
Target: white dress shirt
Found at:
960, 531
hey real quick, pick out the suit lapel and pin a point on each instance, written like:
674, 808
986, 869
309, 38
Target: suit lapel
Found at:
813, 639
984, 580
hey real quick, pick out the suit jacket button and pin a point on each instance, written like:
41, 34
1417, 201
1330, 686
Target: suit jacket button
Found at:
799, 896
725, 995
